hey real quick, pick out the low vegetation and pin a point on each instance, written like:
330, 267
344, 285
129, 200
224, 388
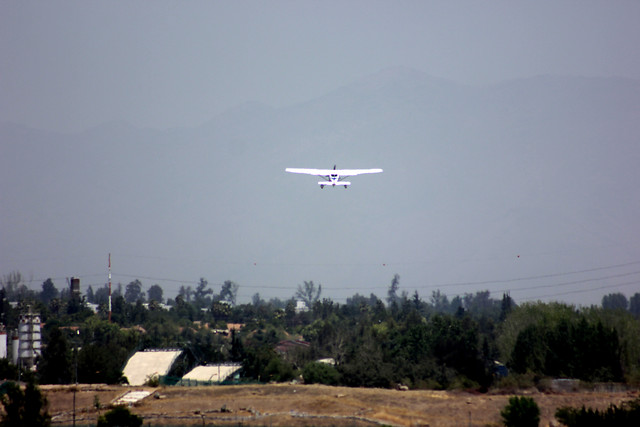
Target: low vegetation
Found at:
120, 416
625, 415
521, 412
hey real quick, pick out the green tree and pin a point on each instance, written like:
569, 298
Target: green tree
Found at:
571, 347
256, 300
49, 291
529, 352
104, 350
8, 314
264, 364
364, 363
182, 309
11, 284
133, 292
454, 343
615, 301
530, 314
598, 352
634, 304
309, 293
119, 309
506, 306
202, 295
8, 370
229, 292
28, 408
186, 293
220, 310
626, 415
91, 297
101, 295
155, 293
55, 365
320, 373
480, 304
392, 293
521, 412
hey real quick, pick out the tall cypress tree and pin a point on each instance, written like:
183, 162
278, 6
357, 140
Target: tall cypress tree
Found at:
55, 365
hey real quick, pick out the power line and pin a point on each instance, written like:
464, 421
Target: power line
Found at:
615, 285
543, 276
434, 286
574, 282
441, 285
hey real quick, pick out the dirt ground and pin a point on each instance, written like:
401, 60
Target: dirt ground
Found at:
306, 405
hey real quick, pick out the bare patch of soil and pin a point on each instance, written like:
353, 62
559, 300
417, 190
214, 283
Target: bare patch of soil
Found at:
306, 405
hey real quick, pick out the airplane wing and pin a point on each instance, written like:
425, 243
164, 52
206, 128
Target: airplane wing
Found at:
352, 172
318, 172
327, 172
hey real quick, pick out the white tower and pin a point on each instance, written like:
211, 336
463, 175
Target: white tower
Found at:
15, 344
3, 344
29, 333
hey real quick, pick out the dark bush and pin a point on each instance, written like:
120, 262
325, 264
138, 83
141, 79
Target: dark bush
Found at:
320, 373
521, 412
119, 416
628, 414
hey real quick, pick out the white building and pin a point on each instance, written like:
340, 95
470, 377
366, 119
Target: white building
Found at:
301, 306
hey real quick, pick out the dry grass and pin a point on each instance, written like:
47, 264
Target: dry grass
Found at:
302, 405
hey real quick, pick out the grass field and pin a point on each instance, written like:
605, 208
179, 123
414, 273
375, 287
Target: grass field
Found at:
306, 405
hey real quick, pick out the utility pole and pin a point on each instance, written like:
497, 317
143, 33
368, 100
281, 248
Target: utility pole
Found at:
109, 287
76, 375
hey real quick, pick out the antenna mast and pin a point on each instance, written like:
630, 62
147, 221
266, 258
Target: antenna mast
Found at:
109, 286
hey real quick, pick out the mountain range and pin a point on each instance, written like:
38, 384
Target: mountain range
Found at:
526, 187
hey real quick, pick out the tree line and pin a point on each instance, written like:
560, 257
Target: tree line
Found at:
469, 341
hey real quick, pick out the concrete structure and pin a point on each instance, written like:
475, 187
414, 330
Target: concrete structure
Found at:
15, 348
3, 344
144, 365
211, 373
30, 339
74, 287
130, 397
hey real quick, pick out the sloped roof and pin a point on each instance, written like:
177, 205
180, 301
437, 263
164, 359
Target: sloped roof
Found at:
146, 364
212, 373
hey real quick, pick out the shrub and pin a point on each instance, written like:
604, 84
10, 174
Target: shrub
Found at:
320, 373
628, 414
119, 416
521, 412
514, 382
153, 380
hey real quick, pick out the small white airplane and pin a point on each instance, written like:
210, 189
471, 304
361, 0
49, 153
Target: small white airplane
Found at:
333, 176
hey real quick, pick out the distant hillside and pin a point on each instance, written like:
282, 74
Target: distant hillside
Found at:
473, 176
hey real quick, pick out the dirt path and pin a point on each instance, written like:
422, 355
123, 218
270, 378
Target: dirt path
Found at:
304, 405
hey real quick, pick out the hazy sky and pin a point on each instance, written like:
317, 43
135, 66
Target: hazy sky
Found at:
70, 65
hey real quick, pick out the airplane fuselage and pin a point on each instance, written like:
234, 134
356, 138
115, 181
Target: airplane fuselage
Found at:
333, 180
